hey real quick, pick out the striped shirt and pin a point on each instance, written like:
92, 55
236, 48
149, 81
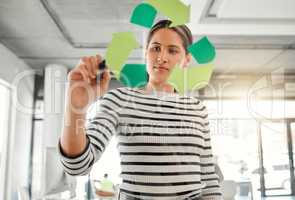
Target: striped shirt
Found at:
163, 141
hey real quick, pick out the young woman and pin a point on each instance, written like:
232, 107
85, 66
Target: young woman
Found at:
163, 137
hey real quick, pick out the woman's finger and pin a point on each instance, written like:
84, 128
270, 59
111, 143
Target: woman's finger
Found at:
84, 72
88, 65
93, 66
106, 76
98, 58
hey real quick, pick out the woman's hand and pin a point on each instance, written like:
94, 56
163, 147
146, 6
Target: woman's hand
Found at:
83, 85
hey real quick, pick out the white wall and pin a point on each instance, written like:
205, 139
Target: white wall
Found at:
11, 68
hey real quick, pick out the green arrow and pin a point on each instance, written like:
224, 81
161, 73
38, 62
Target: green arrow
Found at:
175, 10
118, 51
190, 78
133, 75
143, 15
203, 51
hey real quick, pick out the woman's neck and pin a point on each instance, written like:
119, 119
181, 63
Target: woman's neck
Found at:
159, 87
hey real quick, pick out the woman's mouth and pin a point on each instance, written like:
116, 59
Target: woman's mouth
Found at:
161, 68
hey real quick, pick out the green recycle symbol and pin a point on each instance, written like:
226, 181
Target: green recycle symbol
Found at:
135, 75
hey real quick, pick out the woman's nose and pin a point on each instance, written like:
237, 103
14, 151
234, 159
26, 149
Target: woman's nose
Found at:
163, 56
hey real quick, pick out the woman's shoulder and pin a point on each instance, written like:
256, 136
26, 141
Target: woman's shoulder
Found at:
197, 99
192, 97
199, 102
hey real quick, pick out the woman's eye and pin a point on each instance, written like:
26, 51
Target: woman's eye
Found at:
173, 51
156, 48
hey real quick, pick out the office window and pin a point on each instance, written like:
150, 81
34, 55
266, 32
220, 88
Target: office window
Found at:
235, 126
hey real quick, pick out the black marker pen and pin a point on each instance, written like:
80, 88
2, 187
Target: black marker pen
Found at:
101, 68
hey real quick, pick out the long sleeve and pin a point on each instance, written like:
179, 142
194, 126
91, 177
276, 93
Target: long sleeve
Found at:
212, 190
99, 131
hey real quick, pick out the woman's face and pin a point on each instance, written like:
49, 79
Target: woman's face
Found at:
163, 53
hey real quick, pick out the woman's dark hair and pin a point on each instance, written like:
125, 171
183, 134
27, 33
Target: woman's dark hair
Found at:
182, 30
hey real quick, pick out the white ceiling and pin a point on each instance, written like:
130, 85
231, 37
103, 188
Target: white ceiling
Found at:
61, 31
